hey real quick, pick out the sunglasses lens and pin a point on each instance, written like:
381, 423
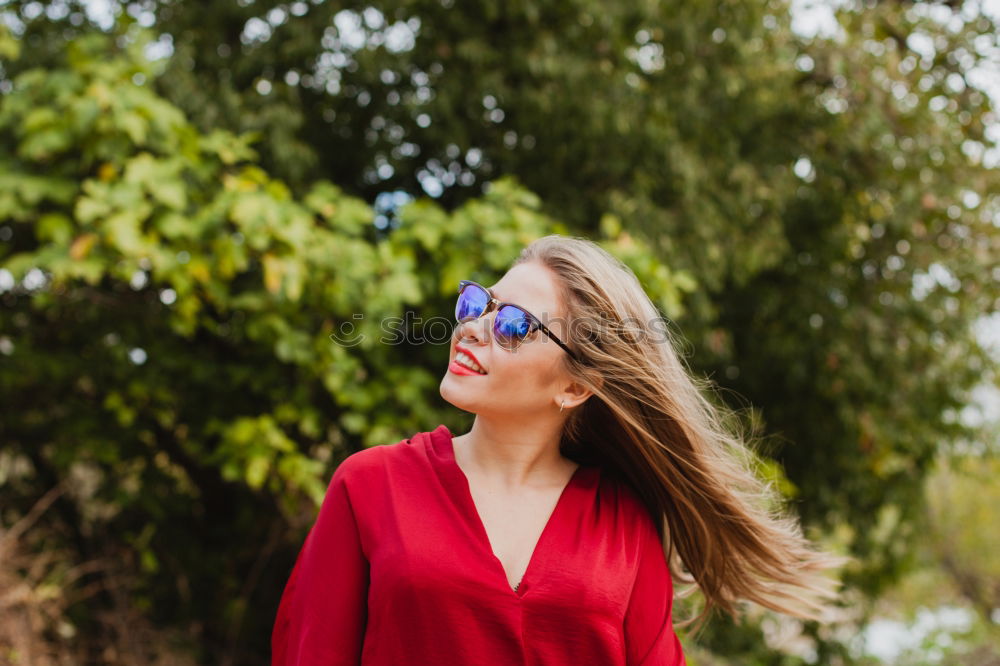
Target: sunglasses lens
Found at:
512, 325
472, 301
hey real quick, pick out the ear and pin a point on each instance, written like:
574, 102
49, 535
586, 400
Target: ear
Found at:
573, 394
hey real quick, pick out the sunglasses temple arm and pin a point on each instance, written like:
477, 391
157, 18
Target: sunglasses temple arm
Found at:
559, 342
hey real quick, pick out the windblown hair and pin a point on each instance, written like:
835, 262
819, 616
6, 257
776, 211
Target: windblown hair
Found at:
650, 423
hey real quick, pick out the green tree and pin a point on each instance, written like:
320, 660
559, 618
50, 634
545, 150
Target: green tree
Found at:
963, 508
830, 198
182, 344
822, 192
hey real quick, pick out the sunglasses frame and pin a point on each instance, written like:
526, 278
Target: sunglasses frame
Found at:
495, 304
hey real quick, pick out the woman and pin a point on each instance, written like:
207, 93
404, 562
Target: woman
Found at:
548, 534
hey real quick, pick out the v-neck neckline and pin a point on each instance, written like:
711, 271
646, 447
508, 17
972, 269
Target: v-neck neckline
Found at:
538, 552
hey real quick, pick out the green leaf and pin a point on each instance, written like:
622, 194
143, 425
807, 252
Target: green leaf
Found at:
55, 228
256, 471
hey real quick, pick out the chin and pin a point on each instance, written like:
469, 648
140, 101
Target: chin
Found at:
456, 396
448, 391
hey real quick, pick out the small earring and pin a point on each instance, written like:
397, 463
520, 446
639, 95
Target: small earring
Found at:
561, 404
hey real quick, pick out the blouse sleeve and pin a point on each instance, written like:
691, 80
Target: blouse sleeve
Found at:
322, 614
649, 633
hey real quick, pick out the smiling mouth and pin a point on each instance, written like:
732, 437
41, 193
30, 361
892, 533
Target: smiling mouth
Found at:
467, 364
465, 367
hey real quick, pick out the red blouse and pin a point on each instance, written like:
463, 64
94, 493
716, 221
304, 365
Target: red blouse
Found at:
398, 569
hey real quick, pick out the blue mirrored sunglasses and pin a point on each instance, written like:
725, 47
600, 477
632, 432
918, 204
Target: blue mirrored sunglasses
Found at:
512, 323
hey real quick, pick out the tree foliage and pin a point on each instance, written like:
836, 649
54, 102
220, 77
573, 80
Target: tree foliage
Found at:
964, 497
183, 335
184, 235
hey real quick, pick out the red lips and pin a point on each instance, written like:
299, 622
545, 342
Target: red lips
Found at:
459, 348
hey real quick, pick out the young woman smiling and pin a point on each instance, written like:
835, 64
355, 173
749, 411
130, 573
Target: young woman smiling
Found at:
594, 474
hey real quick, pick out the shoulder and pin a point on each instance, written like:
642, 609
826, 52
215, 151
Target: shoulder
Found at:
636, 518
375, 462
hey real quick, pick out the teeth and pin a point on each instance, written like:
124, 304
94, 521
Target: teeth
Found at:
466, 360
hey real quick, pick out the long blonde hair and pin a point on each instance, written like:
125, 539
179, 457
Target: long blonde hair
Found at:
649, 422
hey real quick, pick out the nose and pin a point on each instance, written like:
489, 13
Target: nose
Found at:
477, 330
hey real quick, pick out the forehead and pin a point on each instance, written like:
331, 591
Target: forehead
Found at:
530, 286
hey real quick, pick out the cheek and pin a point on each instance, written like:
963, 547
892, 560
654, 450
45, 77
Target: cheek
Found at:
550, 374
528, 372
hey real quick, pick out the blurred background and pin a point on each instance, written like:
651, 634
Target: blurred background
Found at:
209, 210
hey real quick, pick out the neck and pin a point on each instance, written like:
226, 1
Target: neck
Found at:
513, 455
